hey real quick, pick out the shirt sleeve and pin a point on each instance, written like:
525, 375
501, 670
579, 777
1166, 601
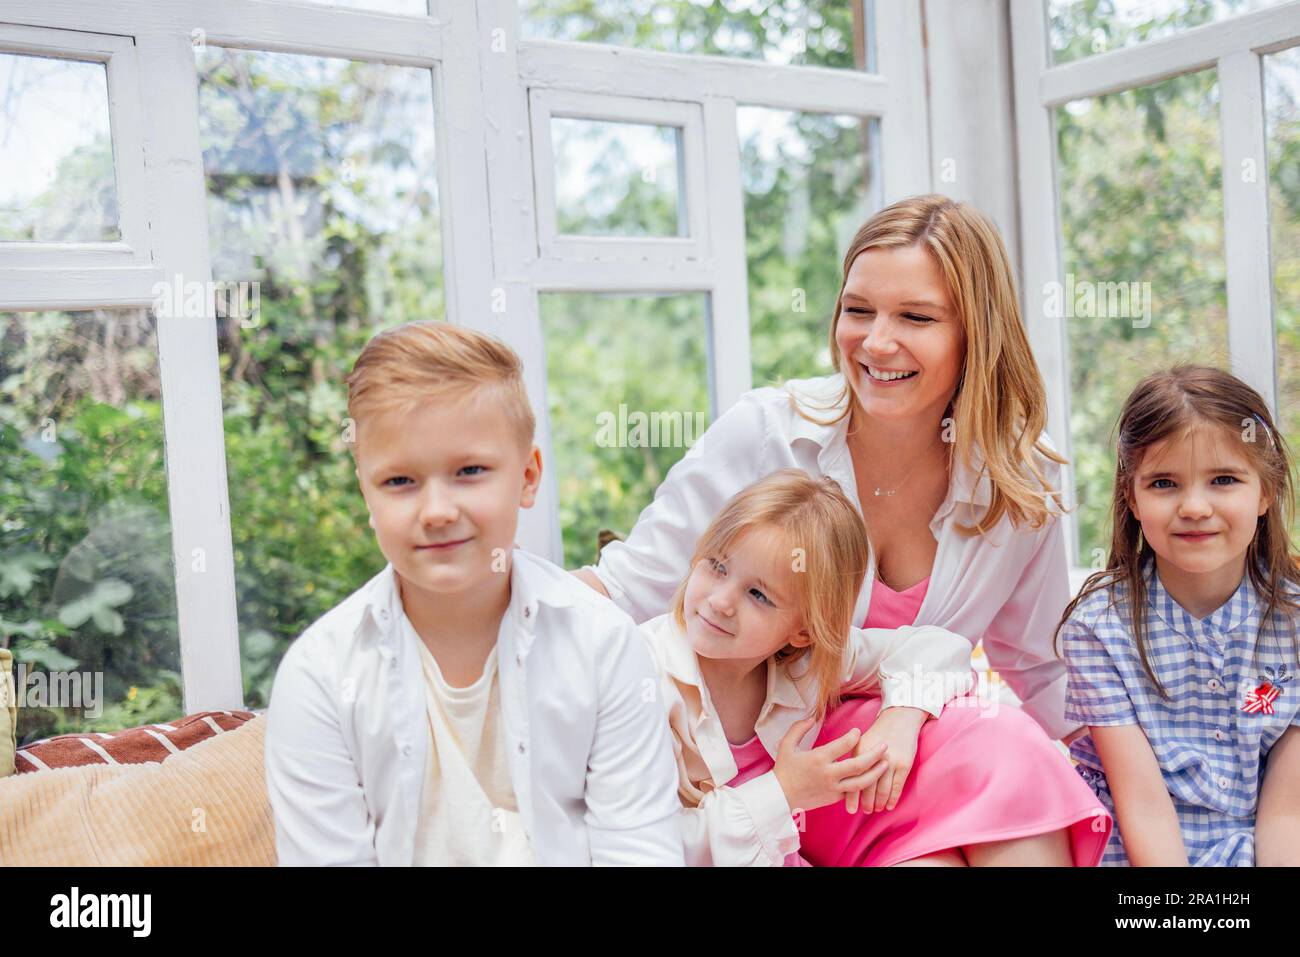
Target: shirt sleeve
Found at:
631, 787
642, 573
313, 785
1019, 641
1096, 692
920, 666
750, 825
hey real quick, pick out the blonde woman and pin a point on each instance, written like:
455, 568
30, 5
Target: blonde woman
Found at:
933, 428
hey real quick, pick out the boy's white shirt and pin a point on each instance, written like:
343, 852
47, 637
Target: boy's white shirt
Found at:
1007, 587
590, 755
753, 824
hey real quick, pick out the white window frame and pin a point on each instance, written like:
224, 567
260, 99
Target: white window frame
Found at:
687, 118
68, 275
495, 266
1235, 47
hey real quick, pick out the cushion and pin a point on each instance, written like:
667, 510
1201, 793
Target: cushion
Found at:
151, 743
203, 806
8, 714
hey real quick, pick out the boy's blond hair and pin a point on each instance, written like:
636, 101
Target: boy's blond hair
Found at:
419, 361
826, 543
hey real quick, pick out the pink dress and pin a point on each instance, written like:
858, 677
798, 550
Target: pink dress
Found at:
956, 794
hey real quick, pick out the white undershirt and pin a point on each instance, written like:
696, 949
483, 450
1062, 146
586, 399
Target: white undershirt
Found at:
468, 813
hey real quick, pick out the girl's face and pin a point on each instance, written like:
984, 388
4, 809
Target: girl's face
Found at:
896, 317
1198, 499
741, 606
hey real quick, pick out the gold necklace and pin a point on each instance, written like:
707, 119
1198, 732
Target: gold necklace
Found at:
880, 492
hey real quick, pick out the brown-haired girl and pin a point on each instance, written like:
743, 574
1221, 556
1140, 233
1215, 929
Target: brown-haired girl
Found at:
1182, 652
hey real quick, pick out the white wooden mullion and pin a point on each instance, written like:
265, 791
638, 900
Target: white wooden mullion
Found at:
1187, 52
78, 288
1251, 338
904, 126
580, 67
307, 28
191, 384
732, 369
1040, 233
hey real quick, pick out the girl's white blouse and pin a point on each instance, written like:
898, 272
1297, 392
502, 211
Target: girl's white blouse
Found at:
1007, 587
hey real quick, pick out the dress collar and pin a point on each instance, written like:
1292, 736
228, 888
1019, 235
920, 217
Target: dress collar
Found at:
1224, 620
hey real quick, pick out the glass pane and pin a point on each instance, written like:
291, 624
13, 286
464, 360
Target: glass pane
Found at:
1282, 99
1080, 28
618, 179
1142, 218
415, 8
56, 151
810, 181
87, 586
322, 199
834, 33
627, 386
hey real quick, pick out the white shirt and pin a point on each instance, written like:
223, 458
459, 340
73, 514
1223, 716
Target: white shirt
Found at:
590, 757
468, 814
752, 824
1007, 587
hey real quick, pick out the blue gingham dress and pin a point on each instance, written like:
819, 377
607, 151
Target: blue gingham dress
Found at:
1211, 752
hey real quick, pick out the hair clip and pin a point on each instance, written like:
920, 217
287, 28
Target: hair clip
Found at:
1267, 430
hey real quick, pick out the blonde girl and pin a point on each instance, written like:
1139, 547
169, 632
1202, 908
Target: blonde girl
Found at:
758, 649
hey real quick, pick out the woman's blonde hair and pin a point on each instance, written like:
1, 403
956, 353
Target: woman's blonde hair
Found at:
1000, 405
826, 542
1171, 405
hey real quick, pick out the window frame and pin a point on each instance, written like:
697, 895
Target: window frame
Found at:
1236, 47
483, 79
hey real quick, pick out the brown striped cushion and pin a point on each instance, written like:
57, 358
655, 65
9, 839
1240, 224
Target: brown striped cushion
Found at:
144, 745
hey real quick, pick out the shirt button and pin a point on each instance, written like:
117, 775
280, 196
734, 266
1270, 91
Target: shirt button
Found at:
383, 615
519, 660
1219, 735
392, 662
406, 750
527, 612
1213, 684
522, 749
1223, 784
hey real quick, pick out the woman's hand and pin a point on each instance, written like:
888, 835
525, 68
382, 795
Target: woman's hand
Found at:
816, 778
897, 729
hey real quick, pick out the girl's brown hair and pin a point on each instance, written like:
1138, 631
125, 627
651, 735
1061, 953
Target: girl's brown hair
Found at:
1171, 405
1000, 404
827, 544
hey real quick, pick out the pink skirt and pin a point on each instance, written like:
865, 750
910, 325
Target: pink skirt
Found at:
983, 772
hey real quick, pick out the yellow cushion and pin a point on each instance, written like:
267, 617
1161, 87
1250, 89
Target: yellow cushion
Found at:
8, 714
206, 805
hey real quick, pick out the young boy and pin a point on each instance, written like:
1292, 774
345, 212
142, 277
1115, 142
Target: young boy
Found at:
471, 704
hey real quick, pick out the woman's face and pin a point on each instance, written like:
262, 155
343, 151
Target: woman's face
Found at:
896, 317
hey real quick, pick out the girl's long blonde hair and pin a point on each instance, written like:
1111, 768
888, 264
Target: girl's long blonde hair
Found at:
1000, 404
826, 543
1170, 405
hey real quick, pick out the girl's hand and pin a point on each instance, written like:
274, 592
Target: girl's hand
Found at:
897, 729
816, 778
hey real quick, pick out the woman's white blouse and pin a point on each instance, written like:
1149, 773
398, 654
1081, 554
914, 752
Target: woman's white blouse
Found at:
1007, 587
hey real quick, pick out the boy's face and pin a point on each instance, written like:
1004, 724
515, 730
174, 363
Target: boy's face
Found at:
742, 605
444, 481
